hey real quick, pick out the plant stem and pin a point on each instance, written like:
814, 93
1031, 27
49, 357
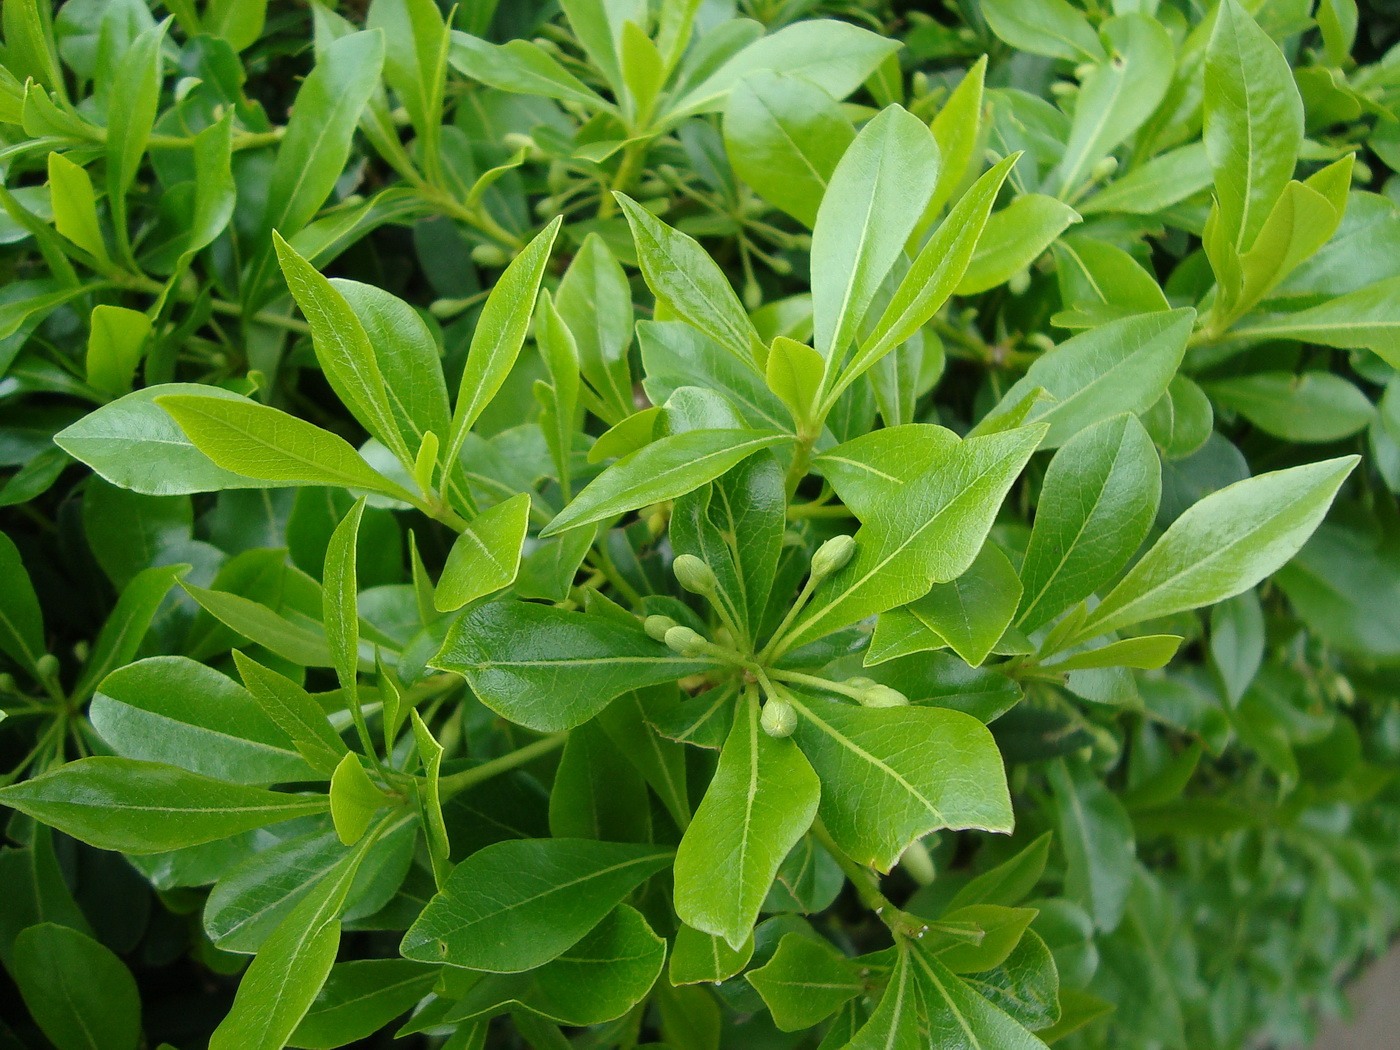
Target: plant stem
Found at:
459, 782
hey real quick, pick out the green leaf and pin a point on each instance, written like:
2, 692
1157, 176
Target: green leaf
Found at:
796, 373
958, 1016
1122, 366
79, 993
835, 56
1223, 545
1096, 835
131, 113
936, 271
1117, 95
340, 612
1155, 185
661, 762
608, 972
270, 445
1341, 585
1008, 883
359, 998
486, 555
354, 799
429, 796
135, 444
1053, 28
665, 469
1312, 407
75, 207
415, 61
597, 793
549, 669
688, 283
956, 128
759, 804
897, 1022
500, 332
1253, 121
1364, 319
918, 533
284, 979
21, 622
325, 113
876, 196
702, 958
1001, 928
174, 710
116, 340
1013, 238
302, 642
126, 625
292, 709
878, 792
240, 22
521, 67
1148, 651
971, 612
343, 348
595, 302
145, 807
805, 982
518, 904
1026, 985
406, 353
784, 137
1097, 503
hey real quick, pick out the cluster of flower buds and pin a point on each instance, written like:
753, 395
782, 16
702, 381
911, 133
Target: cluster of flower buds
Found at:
871, 693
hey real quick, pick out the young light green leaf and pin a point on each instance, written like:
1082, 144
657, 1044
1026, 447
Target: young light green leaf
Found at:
267, 444
668, 467
354, 799
784, 138
958, 1016
518, 904
703, 958
1013, 238
1054, 28
174, 710
1097, 503
805, 982
520, 66
343, 348
500, 332
878, 792
688, 282
761, 801
486, 556
796, 374
956, 128
1363, 319
131, 113
1253, 121
1223, 545
549, 669
1008, 883
1148, 651
594, 302
116, 339
876, 196
145, 807
972, 611
926, 531
936, 271
295, 712
1312, 407
75, 207
1121, 366
284, 979
340, 610
896, 1023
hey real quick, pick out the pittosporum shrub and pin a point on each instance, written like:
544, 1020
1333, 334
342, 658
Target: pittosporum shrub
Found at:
793, 524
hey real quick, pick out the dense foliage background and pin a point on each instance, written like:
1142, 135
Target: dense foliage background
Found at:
565, 710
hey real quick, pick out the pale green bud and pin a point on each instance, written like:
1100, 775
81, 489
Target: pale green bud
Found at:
1103, 169
685, 641
832, 556
7, 683
1020, 281
883, 696
779, 718
47, 666
489, 255
694, 575
657, 626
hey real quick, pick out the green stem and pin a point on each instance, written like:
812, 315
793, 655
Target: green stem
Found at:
458, 782
632, 156
773, 648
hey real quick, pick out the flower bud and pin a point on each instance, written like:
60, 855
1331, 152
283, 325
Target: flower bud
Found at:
859, 681
778, 719
489, 255
1103, 169
694, 575
47, 666
657, 626
1019, 282
7, 683
685, 641
515, 140
832, 555
883, 696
